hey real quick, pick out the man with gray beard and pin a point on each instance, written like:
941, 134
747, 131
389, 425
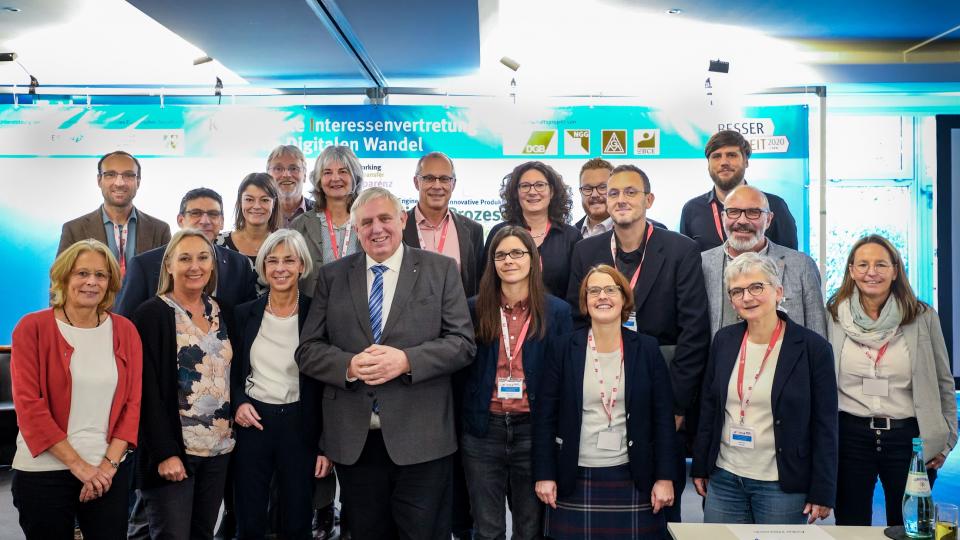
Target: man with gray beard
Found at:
746, 217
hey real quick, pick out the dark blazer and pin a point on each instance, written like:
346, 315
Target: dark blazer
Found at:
804, 398
558, 416
244, 327
554, 254
671, 303
161, 434
151, 232
236, 281
470, 237
428, 321
482, 374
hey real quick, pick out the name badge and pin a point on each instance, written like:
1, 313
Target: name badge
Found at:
876, 387
510, 388
741, 437
610, 439
631, 323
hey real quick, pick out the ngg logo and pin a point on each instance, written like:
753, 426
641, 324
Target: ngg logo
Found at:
539, 142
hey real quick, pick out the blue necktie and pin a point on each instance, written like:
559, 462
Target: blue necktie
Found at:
376, 302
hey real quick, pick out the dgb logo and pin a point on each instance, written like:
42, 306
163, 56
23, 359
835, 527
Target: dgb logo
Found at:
539, 142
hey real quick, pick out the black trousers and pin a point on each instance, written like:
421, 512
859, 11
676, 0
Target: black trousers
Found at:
188, 508
386, 501
672, 513
866, 454
49, 506
278, 449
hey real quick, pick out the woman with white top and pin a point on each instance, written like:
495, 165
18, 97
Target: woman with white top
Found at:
276, 408
76, 371
766, 447
894, 379
337, 178
603, 430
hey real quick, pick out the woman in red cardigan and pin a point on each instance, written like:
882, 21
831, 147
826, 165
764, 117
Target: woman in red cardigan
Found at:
76, 371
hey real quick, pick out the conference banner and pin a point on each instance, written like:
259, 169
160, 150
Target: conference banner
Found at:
48, 156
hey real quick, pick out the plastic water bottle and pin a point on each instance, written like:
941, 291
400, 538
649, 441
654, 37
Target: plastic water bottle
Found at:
917, 503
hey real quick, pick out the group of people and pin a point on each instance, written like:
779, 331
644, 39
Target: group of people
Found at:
564, 371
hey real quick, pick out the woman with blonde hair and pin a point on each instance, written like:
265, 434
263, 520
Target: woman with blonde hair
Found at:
76, 371
186, 437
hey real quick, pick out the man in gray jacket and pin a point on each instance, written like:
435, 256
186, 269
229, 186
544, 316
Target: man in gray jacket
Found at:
746, 217
387, 329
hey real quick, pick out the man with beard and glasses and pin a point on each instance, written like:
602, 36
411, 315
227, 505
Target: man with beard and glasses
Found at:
728, 156
126, 230
664, 271
593, 197
288, 166
746, 218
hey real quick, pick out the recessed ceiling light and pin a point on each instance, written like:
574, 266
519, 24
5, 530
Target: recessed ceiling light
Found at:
10, 9
674, 11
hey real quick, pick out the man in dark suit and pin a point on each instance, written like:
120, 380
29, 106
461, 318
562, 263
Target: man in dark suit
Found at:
664, 270
728, 156
387, 329
200, 208
126, 230
428, 223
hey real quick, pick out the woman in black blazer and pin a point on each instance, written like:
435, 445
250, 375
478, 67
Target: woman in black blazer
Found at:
276, 408
513, 317
603, 428
767, 441
535, 198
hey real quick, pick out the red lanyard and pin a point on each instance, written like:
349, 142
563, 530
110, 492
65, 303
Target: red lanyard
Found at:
120, 237
876, 361
716, 220
505, 336
744, 403
613, 253
607, 406
443, 234
333, 237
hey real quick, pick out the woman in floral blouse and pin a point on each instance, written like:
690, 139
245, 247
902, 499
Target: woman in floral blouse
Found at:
186, 436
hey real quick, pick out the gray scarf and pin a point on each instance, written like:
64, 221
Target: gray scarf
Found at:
861, 328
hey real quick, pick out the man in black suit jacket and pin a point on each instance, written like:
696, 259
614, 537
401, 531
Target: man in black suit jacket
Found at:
200, 208
428, 222
664, 270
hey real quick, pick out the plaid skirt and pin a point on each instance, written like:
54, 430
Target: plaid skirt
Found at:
605, 504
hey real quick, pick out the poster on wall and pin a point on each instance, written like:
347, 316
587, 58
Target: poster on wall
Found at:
48, 156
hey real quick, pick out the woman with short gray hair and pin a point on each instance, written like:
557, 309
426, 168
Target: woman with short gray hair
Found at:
275, 408
767, 441
337, 178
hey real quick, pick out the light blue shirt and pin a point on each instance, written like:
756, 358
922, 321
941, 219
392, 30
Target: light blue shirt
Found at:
130, 249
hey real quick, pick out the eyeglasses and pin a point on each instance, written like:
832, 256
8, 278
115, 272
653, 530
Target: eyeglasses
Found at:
752, 213
755, 289
539, 187
127, 176
629, 192
587, 190
609, 290
278, 169
197, 214
430, 179
85, 275
880, 267
513, 253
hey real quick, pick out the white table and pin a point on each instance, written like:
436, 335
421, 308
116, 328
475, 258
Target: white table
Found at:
714, 531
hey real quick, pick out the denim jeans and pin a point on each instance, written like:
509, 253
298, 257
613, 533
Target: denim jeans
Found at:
735, 499
498, 465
